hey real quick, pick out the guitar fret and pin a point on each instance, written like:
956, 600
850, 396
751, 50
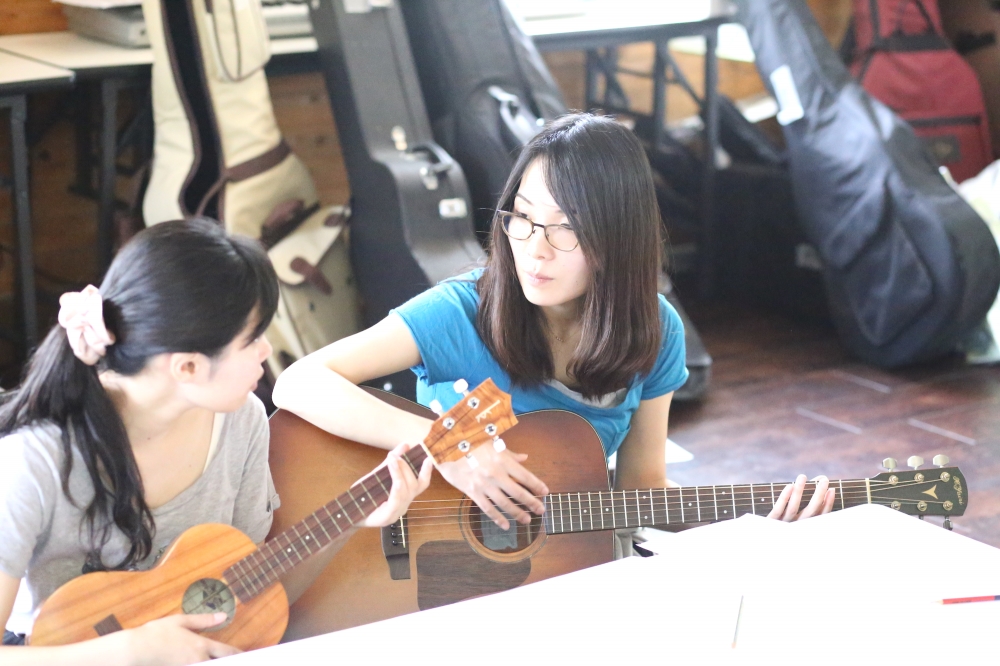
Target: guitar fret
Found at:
562, 525
600, 500
732, 489
320, 522
548, 513
341, 514
613, 518
680, 494
590, 505
841, 493
579, 508
753, 503
652, 509
625, 504
697, 500
382, 485
569, 500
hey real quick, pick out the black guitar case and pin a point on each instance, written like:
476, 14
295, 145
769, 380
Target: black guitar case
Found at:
411, 223
909, 266
488, 92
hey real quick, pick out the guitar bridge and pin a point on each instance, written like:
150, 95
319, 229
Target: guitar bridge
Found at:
396, 548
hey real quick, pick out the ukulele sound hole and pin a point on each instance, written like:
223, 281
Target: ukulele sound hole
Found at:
516, 538
209, 595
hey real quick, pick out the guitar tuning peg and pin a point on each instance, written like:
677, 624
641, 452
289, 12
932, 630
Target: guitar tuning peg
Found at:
947, 523
461, 386
889, 464
941, 460
915, 462
436, 407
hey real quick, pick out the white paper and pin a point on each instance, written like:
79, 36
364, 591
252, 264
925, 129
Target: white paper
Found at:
585, 617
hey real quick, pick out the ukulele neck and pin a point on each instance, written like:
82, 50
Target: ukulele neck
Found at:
262, 568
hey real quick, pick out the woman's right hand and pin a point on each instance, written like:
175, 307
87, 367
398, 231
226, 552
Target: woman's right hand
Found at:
172, 641
496, 483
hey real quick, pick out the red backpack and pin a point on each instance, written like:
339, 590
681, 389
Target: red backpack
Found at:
905, 61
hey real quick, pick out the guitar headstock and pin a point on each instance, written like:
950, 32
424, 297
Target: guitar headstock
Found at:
928, 492
478, 418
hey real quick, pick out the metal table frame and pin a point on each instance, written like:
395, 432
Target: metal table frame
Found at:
14, 97
601, 62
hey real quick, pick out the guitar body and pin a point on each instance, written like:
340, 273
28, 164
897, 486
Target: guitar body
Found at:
448, 559
99, 603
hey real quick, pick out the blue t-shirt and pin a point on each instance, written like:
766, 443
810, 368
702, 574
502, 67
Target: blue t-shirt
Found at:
442, 321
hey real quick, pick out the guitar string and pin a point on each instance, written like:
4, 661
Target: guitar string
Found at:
577, 517
855, 485
425, 529
848, 494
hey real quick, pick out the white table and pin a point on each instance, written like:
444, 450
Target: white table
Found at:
18, 78
862, 583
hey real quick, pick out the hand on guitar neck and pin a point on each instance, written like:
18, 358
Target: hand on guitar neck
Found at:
790, 499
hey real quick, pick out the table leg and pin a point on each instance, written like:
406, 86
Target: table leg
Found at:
25, 253
711, 120
110, 88
84, 185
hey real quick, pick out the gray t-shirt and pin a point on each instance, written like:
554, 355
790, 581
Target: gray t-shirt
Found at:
43, 538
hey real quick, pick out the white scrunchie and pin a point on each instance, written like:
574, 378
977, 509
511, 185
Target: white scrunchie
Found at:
81, 313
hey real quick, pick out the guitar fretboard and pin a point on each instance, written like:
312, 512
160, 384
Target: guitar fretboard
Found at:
587, 511
262, 568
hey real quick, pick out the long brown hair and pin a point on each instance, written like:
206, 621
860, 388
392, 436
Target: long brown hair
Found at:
597, 172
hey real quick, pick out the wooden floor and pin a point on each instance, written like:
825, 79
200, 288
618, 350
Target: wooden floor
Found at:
785, 398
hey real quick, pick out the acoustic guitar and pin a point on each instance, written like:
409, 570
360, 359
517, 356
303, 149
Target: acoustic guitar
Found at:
217, 568
445, 550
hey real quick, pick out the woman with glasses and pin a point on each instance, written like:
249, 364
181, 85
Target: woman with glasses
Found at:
565, 315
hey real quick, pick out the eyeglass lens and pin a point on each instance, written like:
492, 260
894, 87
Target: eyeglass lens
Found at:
520, 228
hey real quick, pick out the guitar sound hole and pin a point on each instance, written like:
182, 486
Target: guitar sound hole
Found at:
515, 539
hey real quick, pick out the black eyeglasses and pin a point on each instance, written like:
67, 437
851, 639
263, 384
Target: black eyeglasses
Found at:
560, 236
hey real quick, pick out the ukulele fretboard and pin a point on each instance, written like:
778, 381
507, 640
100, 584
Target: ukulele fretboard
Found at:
262, 568
608, 510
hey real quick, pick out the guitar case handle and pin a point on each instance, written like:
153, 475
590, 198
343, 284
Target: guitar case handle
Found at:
441, 160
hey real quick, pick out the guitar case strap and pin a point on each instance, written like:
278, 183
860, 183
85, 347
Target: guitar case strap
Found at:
219, 152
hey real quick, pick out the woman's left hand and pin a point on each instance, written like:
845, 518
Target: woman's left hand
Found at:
790, 499
405, 486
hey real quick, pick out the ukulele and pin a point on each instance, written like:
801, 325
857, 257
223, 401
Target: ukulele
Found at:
445, 550
216, 568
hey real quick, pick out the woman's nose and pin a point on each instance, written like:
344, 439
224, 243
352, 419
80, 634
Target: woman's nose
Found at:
265, 348
538, 245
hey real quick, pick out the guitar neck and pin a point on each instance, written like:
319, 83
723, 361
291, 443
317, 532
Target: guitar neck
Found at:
262, 568
587, 511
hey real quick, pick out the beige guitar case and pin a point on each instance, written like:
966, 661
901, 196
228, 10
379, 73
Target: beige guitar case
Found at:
219, 152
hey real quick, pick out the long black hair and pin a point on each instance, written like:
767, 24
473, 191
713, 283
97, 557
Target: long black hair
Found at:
599, 175
183, 286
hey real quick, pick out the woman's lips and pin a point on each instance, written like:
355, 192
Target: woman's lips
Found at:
537, 279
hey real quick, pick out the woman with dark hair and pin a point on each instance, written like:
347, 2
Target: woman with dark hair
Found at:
565, 315
136, 421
